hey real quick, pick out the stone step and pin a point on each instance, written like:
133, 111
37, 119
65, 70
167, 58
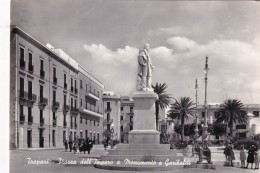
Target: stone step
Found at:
142, 152
143, 146
141, 157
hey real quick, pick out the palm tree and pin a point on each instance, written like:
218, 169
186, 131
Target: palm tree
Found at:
231, 111
163, 101
181, 110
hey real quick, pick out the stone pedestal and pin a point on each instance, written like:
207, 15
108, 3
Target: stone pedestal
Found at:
144, 131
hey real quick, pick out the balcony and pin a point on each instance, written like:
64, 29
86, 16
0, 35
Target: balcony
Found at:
107, 110
30, 120
92, 96
42, 120
42, 73
23, 95
55, 105
32, 98
65, 85
31, 68
22, 119
22, 64
54, 122
74, 110
64, 124
55, 80
66, 108
43, 101
91, 112
106, 121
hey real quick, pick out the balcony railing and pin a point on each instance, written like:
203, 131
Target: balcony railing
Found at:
42, 73
23, 94
22, 119
74, 110
56, 105
32, 98
65, 85
42, 120
66, 107
55, 80
108, 121
43, 101
108, 110
31, 68
64, 124
93, 96
22, 64
54, 122
30, 120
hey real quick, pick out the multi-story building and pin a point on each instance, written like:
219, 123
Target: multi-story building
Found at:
112, 112
126, 118
44, 95
242, 130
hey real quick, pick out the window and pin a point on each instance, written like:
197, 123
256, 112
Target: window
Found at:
54, 96
75, 103
22, 62
131, 127
94, 123
86, 134
131, 119
54, 75
22, 118
71, 83
203, 114
41, 117
98, 93
97, 123
256, 113
71, 103
30, 62
75, 84
65, 100
80, 119
241, 126
80, 102
121, 128
90, 122
122, 108
86, 121
41, 93
122, 117
94, 92
65, 80
80, 84
21, 86
108, 126
108, 116
86, 87
42, 73
30, 90
29, 114
89, 88
131, 109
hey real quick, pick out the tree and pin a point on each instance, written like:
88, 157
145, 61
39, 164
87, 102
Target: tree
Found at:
163, 101
231, 111
181, 110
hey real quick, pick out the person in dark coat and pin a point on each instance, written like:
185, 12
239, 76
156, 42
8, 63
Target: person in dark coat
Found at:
66, 145
70, 144
231, 155
250, 157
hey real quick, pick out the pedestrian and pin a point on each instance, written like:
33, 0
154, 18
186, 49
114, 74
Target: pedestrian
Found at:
226, 152
75, 146
70, 144
250, 157
243, 157
256, 154
66, 145
231, 155
85, 146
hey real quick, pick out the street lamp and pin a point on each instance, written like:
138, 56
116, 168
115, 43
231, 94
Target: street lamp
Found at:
196, 113
112, 132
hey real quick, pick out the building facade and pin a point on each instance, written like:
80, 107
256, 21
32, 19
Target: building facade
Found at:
44, 94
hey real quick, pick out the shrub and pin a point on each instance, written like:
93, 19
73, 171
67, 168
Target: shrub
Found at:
246, 142
180, 144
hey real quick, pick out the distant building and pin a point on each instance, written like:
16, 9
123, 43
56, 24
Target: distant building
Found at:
45, 94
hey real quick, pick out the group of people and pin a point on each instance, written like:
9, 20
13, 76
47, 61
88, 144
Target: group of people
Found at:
252, 157
80, 145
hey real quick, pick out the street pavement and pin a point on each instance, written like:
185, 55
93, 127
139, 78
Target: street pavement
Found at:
42, 161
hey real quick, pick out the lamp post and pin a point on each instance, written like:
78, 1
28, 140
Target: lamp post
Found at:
205, 127
196, 113
112, 132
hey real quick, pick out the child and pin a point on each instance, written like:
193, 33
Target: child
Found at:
256, 160
243, 157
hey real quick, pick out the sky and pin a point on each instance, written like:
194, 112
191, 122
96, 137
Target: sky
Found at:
106, 36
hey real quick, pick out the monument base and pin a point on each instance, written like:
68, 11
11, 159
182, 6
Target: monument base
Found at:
144, 137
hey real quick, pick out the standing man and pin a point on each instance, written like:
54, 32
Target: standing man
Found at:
144, 76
